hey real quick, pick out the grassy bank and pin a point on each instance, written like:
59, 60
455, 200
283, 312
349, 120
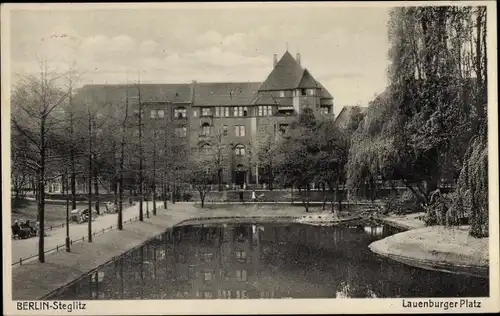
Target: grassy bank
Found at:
439, 248
55, 213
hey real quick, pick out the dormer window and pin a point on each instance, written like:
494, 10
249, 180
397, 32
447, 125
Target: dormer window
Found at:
282, 94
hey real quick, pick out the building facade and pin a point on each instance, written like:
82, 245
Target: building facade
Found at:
234, 114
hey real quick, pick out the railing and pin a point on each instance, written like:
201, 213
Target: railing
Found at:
63, 246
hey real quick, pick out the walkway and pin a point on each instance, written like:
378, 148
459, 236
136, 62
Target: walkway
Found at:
25, 248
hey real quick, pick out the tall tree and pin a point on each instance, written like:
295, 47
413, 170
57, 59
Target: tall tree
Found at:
434, 105
267, 153
297, 153
34, 107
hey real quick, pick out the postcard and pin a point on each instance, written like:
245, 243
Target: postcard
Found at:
250, 158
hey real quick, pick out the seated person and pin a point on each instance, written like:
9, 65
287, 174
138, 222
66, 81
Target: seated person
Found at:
16, 229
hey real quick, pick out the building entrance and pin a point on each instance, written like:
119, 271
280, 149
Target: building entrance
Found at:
240, 175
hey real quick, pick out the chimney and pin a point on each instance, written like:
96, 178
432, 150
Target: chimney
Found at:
275, 60
193, 88
298, 59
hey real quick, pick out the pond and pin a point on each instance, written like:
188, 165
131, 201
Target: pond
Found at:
237, 261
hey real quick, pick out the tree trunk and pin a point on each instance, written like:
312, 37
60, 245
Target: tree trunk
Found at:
154, 170
141, 179
165, 191
339, 198
89, 238
174, 192
325, 197
202, 198
304, 199
271, 178
41, 192
219, 179
73, 167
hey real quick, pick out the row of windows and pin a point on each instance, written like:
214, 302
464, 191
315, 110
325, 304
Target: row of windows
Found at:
157, 114
241, 275
227, 294
206, 130
239, 150
238, 294
237, 111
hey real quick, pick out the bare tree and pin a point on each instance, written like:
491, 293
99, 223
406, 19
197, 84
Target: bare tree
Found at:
33, 103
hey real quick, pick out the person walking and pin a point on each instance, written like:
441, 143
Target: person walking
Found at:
254, 198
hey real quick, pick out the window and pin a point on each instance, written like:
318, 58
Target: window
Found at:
302, 91
206, 111
282, 94
181, 131
206, 149
240, 111
180, 113
325, 110
241, 275
265, 110
226, 293
208, 276
160, 113
152, 114
222, 111
225, 275
205, 129
239, 150
224, 130
239, 130
195, 114
241, 255
136, 113
241, 294
311, 91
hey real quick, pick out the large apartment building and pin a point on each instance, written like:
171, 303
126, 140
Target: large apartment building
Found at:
235, 113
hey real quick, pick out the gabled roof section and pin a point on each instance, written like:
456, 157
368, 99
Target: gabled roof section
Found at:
264, 98
307, 81
285, 75
225, 93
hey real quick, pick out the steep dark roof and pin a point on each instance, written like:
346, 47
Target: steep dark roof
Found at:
288, 74
285, 75
324, 93
307, 81
228, 93
112, 93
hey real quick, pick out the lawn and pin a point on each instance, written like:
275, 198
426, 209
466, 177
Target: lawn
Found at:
55, 214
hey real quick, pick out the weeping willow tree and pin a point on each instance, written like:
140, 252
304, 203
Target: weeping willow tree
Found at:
471, 196
424, 128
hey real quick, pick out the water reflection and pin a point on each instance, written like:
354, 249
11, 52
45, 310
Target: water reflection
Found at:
240, 261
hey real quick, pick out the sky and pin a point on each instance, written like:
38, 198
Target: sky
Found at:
345, 48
